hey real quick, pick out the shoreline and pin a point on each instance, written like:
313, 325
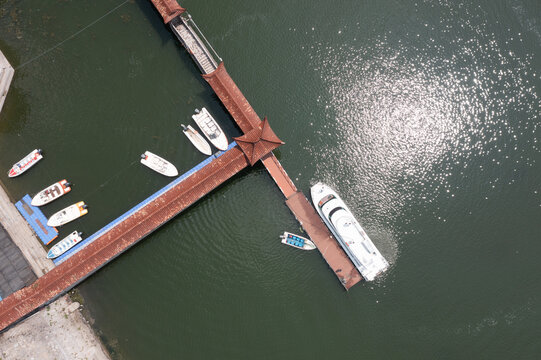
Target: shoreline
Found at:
59, 330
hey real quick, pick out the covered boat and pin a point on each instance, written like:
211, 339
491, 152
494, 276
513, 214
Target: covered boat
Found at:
68, 214
158, 164
65, 244
51, 193
297, 241
197, 140
210, 128
25, 163
349, 233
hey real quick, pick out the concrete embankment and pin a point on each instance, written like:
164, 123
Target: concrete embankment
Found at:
59, 330
6, 75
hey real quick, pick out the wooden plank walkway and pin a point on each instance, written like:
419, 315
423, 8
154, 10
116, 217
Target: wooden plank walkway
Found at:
191, 41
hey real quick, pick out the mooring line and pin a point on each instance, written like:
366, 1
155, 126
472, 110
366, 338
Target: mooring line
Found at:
87, 195
70, 37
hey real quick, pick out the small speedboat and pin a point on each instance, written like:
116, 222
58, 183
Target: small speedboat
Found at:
51, 193
210, 128
68, 214
197, 140
65, 244
25, 163
297, 241
158, 164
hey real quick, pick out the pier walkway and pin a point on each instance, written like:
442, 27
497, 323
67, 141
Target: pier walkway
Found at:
130, 228
256, 144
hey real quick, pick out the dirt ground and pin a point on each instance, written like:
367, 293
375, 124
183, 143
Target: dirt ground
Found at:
58, 331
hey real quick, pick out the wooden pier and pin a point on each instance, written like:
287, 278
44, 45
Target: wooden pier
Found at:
256, 144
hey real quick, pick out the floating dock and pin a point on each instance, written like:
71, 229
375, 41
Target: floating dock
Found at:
256, 144
37, 221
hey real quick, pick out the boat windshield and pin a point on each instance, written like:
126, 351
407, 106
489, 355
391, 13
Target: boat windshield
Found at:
325, 200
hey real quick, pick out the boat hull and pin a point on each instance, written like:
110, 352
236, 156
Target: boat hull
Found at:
25, 163
348, 232
158, 164
68, 214
51, 193
297, 241
210, 128
64, 245
197, 140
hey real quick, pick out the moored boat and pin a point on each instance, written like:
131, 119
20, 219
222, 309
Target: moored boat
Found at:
158, 164
197, 140
297, 241
210, 128
51, 193
348, 232
25, 163
65, 244
68, 214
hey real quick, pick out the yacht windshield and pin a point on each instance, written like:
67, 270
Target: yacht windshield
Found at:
325, 200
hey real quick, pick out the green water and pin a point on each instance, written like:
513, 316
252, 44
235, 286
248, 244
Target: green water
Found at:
423, 115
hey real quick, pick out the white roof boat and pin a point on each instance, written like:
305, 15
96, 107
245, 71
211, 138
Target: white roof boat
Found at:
297, 241
68, 214
210, 128
51, 193
197, 140
25, 163
349, 233
65, 244
158, 164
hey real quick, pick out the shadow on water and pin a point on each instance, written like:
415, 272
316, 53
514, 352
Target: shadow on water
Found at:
13, 117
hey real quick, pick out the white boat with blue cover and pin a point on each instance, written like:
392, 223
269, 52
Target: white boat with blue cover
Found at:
65, 244
349, 233
297, 241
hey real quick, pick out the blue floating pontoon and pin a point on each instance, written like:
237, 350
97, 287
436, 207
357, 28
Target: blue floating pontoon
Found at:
36, 220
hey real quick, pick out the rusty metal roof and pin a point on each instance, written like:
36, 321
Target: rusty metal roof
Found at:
232, 98
168, 9
120, 238
258, 142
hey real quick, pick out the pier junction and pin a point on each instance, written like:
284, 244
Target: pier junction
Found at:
256, 144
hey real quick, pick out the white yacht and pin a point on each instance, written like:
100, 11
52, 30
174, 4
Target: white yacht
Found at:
345, 228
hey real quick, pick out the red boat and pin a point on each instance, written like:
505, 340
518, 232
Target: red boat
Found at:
26, 163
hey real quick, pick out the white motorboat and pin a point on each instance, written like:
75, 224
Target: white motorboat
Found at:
197, 140
25, 163
68, 214
158, 164
349, 233
65, 244
210, 128
51, 193
297, 241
